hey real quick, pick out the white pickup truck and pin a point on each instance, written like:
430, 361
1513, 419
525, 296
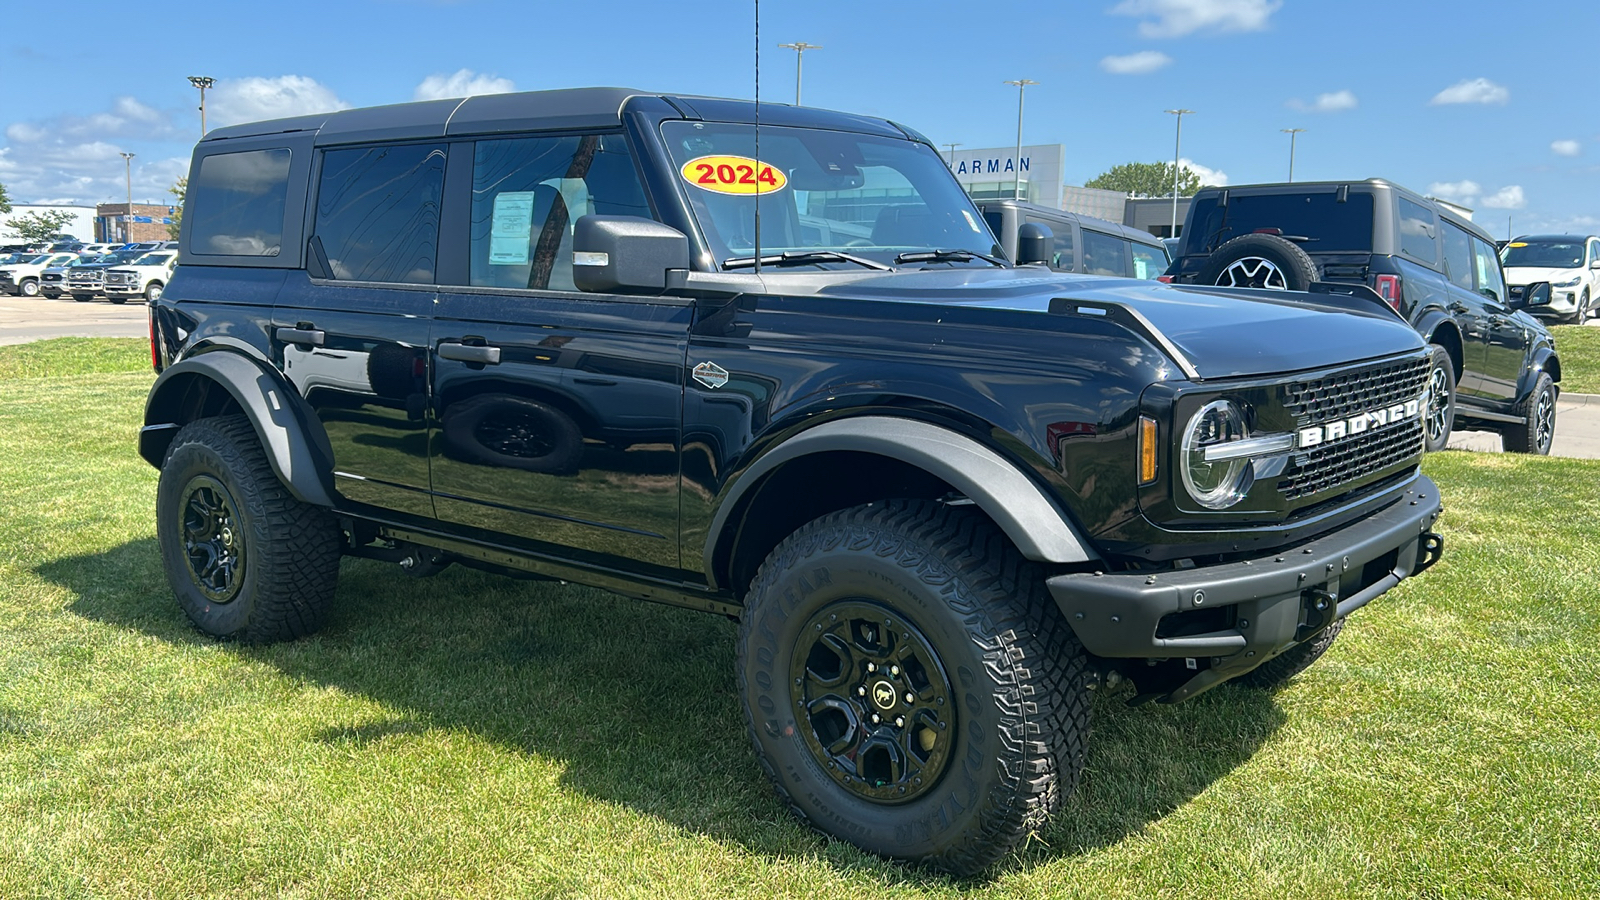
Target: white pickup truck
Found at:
145, 277
23, 278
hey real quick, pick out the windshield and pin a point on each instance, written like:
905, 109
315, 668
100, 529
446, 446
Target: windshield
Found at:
153, 259
1544, 254
871, 197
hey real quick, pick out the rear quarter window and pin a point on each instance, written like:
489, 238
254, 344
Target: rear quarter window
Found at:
236, 203
1418, 232
1325, 223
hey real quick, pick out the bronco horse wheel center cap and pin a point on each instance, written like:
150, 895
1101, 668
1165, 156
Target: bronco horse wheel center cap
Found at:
883, 695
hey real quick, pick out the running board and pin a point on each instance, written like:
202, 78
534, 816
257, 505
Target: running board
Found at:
1490, 416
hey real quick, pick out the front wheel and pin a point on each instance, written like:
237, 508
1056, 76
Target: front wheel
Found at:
1441, 416
117, 300
246, 559
910, 686
83, 298
30, 288
1538, 429
152, 293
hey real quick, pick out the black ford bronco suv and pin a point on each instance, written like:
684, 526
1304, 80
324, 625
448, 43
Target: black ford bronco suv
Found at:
1495, 366
943, 496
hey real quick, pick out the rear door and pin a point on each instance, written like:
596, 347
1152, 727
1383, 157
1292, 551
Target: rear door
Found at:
351, 332
1466, 306
558, 411
1106, 254
1507, 347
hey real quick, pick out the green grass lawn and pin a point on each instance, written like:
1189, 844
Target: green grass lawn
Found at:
1579, 349
475, 736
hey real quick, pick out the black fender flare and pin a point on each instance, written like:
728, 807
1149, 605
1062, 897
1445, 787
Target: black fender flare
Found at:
1542, 359
995, 485
273, 408
1432, 322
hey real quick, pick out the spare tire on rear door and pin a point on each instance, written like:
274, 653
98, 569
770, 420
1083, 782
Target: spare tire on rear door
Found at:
1260, 261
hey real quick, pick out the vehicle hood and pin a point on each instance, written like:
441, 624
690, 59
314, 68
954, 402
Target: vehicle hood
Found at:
1220, 332
1534, 274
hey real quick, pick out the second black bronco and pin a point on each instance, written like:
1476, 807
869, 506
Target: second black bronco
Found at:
944, 496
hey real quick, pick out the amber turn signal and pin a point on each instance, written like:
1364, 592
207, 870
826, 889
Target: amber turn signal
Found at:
1147, 450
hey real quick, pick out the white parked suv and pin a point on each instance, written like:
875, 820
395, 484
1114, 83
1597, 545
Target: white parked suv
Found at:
145, 277
23, 278
1570, 262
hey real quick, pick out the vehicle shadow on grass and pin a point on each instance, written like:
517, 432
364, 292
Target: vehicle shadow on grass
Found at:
638, 701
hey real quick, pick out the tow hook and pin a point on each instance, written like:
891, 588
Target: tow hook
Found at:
1317, 611
1428, 553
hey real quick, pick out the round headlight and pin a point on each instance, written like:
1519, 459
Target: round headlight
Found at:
1222, 483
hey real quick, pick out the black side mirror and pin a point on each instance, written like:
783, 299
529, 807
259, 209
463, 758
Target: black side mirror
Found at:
626, 254
1536, 294
1034, 244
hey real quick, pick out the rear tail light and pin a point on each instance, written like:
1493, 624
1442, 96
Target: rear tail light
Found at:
1388, 287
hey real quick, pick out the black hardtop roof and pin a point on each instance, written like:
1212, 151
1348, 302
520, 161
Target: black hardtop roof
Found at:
1287, 187
1552, 238
1097, 224
574, 108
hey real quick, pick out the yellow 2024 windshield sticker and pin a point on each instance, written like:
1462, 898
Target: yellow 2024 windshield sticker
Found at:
733, 175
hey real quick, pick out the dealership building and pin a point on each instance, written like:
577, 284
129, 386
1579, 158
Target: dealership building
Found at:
1037, 174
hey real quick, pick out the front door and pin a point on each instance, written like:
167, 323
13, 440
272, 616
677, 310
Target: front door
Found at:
558, 412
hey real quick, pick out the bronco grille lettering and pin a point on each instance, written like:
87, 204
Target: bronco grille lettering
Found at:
1359, 423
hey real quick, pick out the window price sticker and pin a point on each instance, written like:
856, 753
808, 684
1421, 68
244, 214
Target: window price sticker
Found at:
733, 175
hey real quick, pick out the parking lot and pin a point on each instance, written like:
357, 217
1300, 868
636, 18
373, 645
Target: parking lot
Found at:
24, 319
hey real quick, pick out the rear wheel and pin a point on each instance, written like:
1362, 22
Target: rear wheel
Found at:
1441, 415
910, 686
246, 559
1538, 429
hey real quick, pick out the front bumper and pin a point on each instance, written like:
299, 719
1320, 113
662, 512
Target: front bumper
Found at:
1236, 616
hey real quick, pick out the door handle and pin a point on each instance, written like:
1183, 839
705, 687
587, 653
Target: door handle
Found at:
305, 336
1458, 307
482, 354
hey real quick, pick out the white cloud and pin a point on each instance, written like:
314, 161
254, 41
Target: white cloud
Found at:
1472, 90
253, 99
1213, 177
1141, 63
1508, 197
1455, 191
1566, 148
1176, 18
1338, 101
464, 83
126, 118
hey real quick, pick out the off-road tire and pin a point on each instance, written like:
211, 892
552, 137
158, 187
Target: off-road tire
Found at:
1538, 429
1438, 419
1021, 704
1293, 267
1276, 672
289, 562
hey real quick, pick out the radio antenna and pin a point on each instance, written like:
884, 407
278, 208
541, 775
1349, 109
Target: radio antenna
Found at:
758, 138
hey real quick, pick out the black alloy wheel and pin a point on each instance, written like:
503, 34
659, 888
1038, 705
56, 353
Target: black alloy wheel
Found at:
910, 686
874, 701
213, 541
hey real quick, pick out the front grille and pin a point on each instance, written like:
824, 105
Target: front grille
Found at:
1340, 396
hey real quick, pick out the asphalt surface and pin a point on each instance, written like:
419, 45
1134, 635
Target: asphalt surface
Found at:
24, 319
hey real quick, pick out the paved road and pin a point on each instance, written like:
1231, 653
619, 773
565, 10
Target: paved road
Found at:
24, 319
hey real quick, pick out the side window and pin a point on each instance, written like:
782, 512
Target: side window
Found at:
1148, 261
1104, 254
1417, 230
1491, 283
1061, 243
236, 203
1594, 251
378, 212
528, 192
1458, 256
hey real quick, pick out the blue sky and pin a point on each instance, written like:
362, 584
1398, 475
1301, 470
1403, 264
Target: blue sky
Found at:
1487, 103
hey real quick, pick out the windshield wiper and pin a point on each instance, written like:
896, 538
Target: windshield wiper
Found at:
803, 258
945, 256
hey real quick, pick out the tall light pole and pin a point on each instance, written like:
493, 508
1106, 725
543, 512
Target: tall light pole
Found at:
799, 48
1291, 132
952, 145
1177, 148
1016, 173
202, 82
127, 223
